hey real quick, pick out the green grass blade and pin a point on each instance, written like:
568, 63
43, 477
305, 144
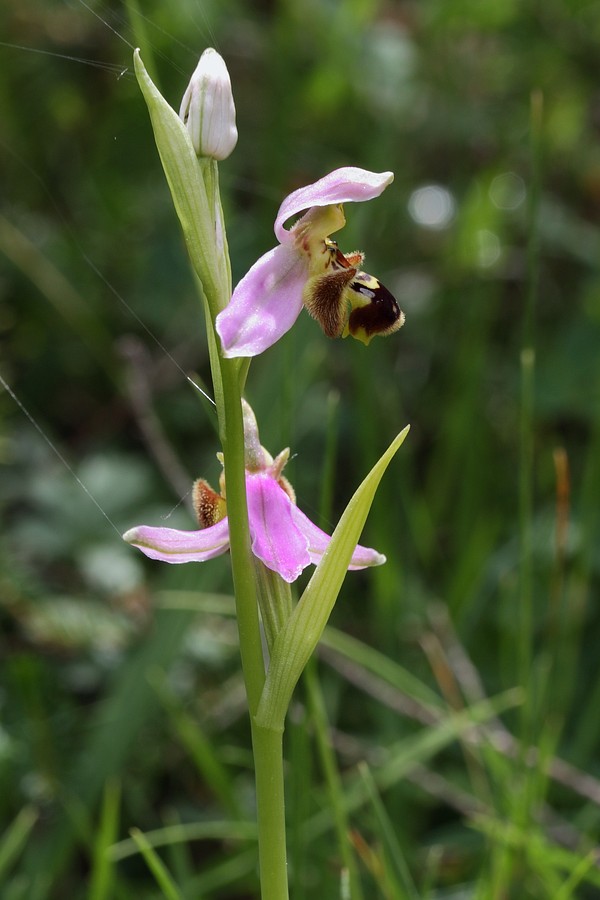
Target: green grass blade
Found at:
579, 874
415, 750
548, 860
102, 875
185, 832
198, 744
526, 423
381, 665
334, 787
387, 837
15, 837
300, 772
232, 869
112, 738
156, 866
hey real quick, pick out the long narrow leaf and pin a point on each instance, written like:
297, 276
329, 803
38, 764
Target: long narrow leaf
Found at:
103, 867
184, 176
297, 640
388, 837
15, 836
415, 750
156, 866
185, 832
111, 738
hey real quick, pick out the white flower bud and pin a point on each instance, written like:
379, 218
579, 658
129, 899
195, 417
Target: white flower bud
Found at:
208, 110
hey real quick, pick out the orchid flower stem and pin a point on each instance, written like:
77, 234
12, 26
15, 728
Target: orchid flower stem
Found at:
267, 744
267, 747
232, 438
225, 376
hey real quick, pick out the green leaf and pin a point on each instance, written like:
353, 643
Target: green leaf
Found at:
157, 867
543, 856
299, 637
371, 660
102, 875
15, 837
387, 838
186, 183
112, 735
415, 750
209, 830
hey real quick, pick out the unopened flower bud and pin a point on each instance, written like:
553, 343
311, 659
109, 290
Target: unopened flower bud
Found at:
208, 110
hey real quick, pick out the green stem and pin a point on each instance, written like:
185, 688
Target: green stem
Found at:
267, 744
232, 439
529, 713
526, 426
225, 373
526, 534
268, 762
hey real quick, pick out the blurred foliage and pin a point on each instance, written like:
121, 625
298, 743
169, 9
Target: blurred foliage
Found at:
117, 670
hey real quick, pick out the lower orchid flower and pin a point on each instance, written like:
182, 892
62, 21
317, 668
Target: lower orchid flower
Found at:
307, 269
282, 537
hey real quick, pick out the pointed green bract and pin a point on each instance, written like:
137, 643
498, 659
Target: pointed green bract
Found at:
184, 176
299, 637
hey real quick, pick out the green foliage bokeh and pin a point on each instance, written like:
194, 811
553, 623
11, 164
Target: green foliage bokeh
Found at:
99, 324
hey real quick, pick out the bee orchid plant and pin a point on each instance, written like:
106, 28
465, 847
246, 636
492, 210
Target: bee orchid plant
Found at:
254, 515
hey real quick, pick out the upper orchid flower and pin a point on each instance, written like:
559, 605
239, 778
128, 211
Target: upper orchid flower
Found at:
282, 537
307, 268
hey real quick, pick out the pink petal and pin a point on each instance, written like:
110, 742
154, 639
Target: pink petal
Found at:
172, 546
264, 305
276, 540
318, 541
346, 185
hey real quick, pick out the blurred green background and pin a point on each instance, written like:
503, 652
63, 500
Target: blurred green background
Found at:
122, 701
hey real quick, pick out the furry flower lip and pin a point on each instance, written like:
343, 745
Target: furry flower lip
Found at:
308, 269
282, 537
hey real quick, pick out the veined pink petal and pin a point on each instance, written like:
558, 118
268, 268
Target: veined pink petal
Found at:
265, 304
349, 184
276, 539
173, 546
318, 541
